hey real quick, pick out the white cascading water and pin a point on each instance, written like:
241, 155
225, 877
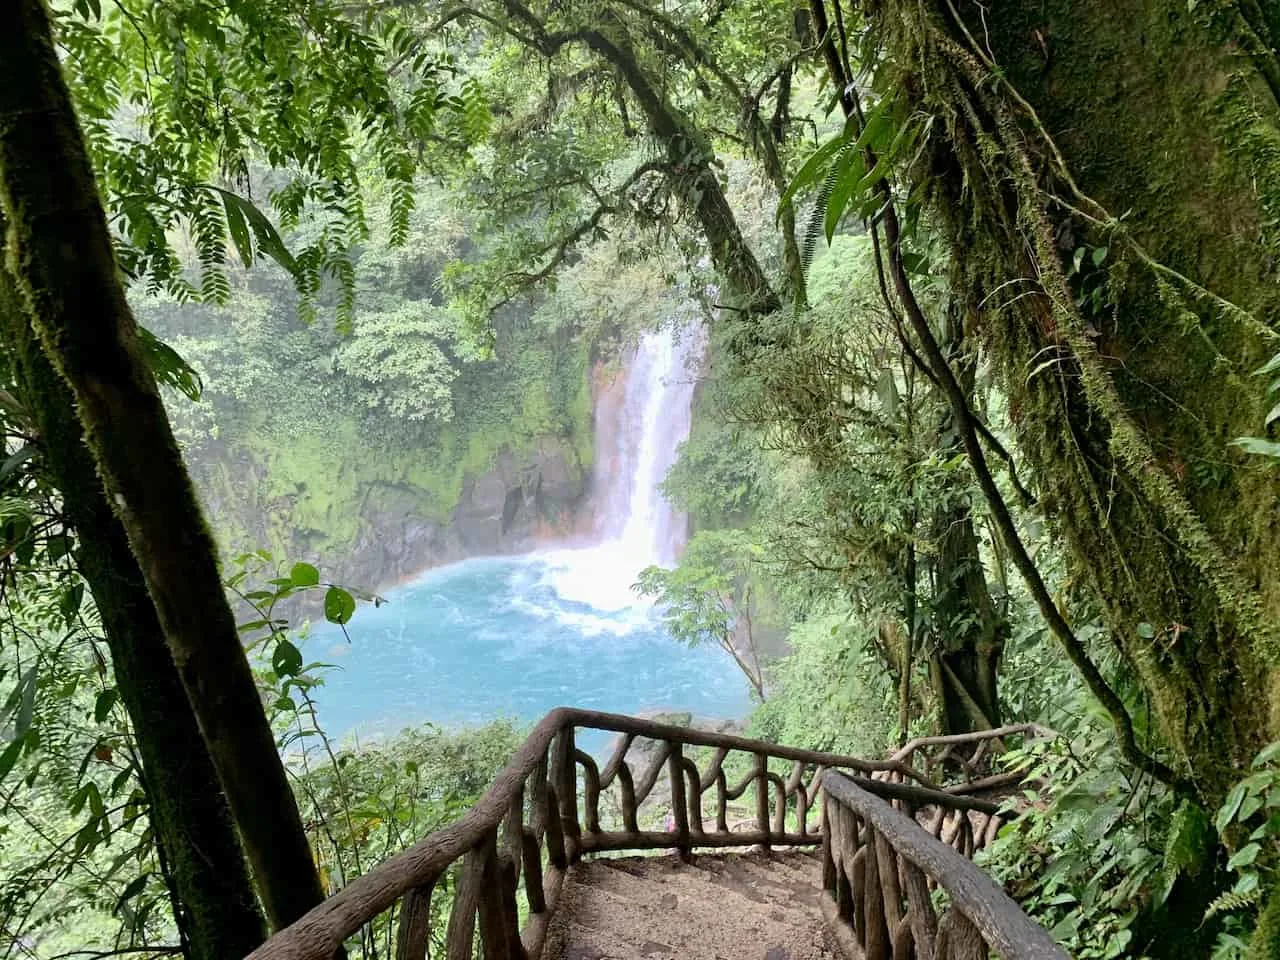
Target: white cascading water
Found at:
636, 444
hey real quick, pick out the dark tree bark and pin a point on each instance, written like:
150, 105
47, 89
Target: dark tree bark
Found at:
60, 255
969, 632
214, 904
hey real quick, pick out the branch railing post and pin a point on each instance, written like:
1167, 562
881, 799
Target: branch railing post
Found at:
679, 799
762, 798
564, 771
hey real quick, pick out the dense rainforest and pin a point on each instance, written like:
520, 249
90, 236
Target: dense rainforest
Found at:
301, 298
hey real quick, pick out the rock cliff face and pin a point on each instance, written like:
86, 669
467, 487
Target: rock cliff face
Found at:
521, 500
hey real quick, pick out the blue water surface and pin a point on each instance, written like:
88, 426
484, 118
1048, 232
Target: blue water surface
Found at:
512, 638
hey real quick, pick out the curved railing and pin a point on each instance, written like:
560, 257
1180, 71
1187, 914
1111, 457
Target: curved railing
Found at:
541, 814
880, 868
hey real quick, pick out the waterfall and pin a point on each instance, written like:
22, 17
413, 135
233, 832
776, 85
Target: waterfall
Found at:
640, 424
641, 446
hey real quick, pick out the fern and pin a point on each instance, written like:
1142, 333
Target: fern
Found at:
816, 224
1187, 841
1233, 901
209, 234
476, 118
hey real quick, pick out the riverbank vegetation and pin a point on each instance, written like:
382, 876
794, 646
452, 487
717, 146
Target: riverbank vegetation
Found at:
985, 429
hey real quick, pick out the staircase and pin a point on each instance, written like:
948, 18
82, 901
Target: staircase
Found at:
728, 857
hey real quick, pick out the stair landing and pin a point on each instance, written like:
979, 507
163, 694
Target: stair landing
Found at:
733, 906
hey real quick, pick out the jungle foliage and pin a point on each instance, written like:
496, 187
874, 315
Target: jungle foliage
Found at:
986, 429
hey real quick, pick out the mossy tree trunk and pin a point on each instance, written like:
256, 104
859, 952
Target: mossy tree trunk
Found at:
214, 904
1127, 377
59, 253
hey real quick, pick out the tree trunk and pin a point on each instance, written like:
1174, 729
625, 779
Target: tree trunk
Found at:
214, 905
689, 159
1127, 378
969, 630
61, 257
688, 164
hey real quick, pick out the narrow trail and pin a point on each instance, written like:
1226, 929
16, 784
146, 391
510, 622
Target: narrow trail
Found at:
739, 906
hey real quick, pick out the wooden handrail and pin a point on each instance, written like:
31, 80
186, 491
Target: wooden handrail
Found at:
878, 866
540, 815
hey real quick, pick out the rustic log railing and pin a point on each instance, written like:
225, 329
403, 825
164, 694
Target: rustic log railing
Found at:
963, 761
540, 815
880, 869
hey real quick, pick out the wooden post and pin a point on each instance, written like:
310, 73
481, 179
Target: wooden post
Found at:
533, 874
460, 933
679, 803
965, 942
513, 828
693, 795
555, 839
876, 945
762, 797
539, 808
924, 922
508, 880
415, 924
887, 863
828, 855
591, 790
564, 774
722, 802
493, 925
628, 790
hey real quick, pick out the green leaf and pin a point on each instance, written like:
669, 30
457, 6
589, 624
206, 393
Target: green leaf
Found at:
1267, 754
1099, 255
847, 176
1257, 445
812, 168
28, 706
1271, 366
1146, 631
268, 238
1273, 415
1251, 805
16, 460
58, 546
286, 660
105, 701
1230, 807
339, 605
10, 757
1188, 841
238, 228
70, 603
1245, 856
168, 366
304, 575
134, 888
